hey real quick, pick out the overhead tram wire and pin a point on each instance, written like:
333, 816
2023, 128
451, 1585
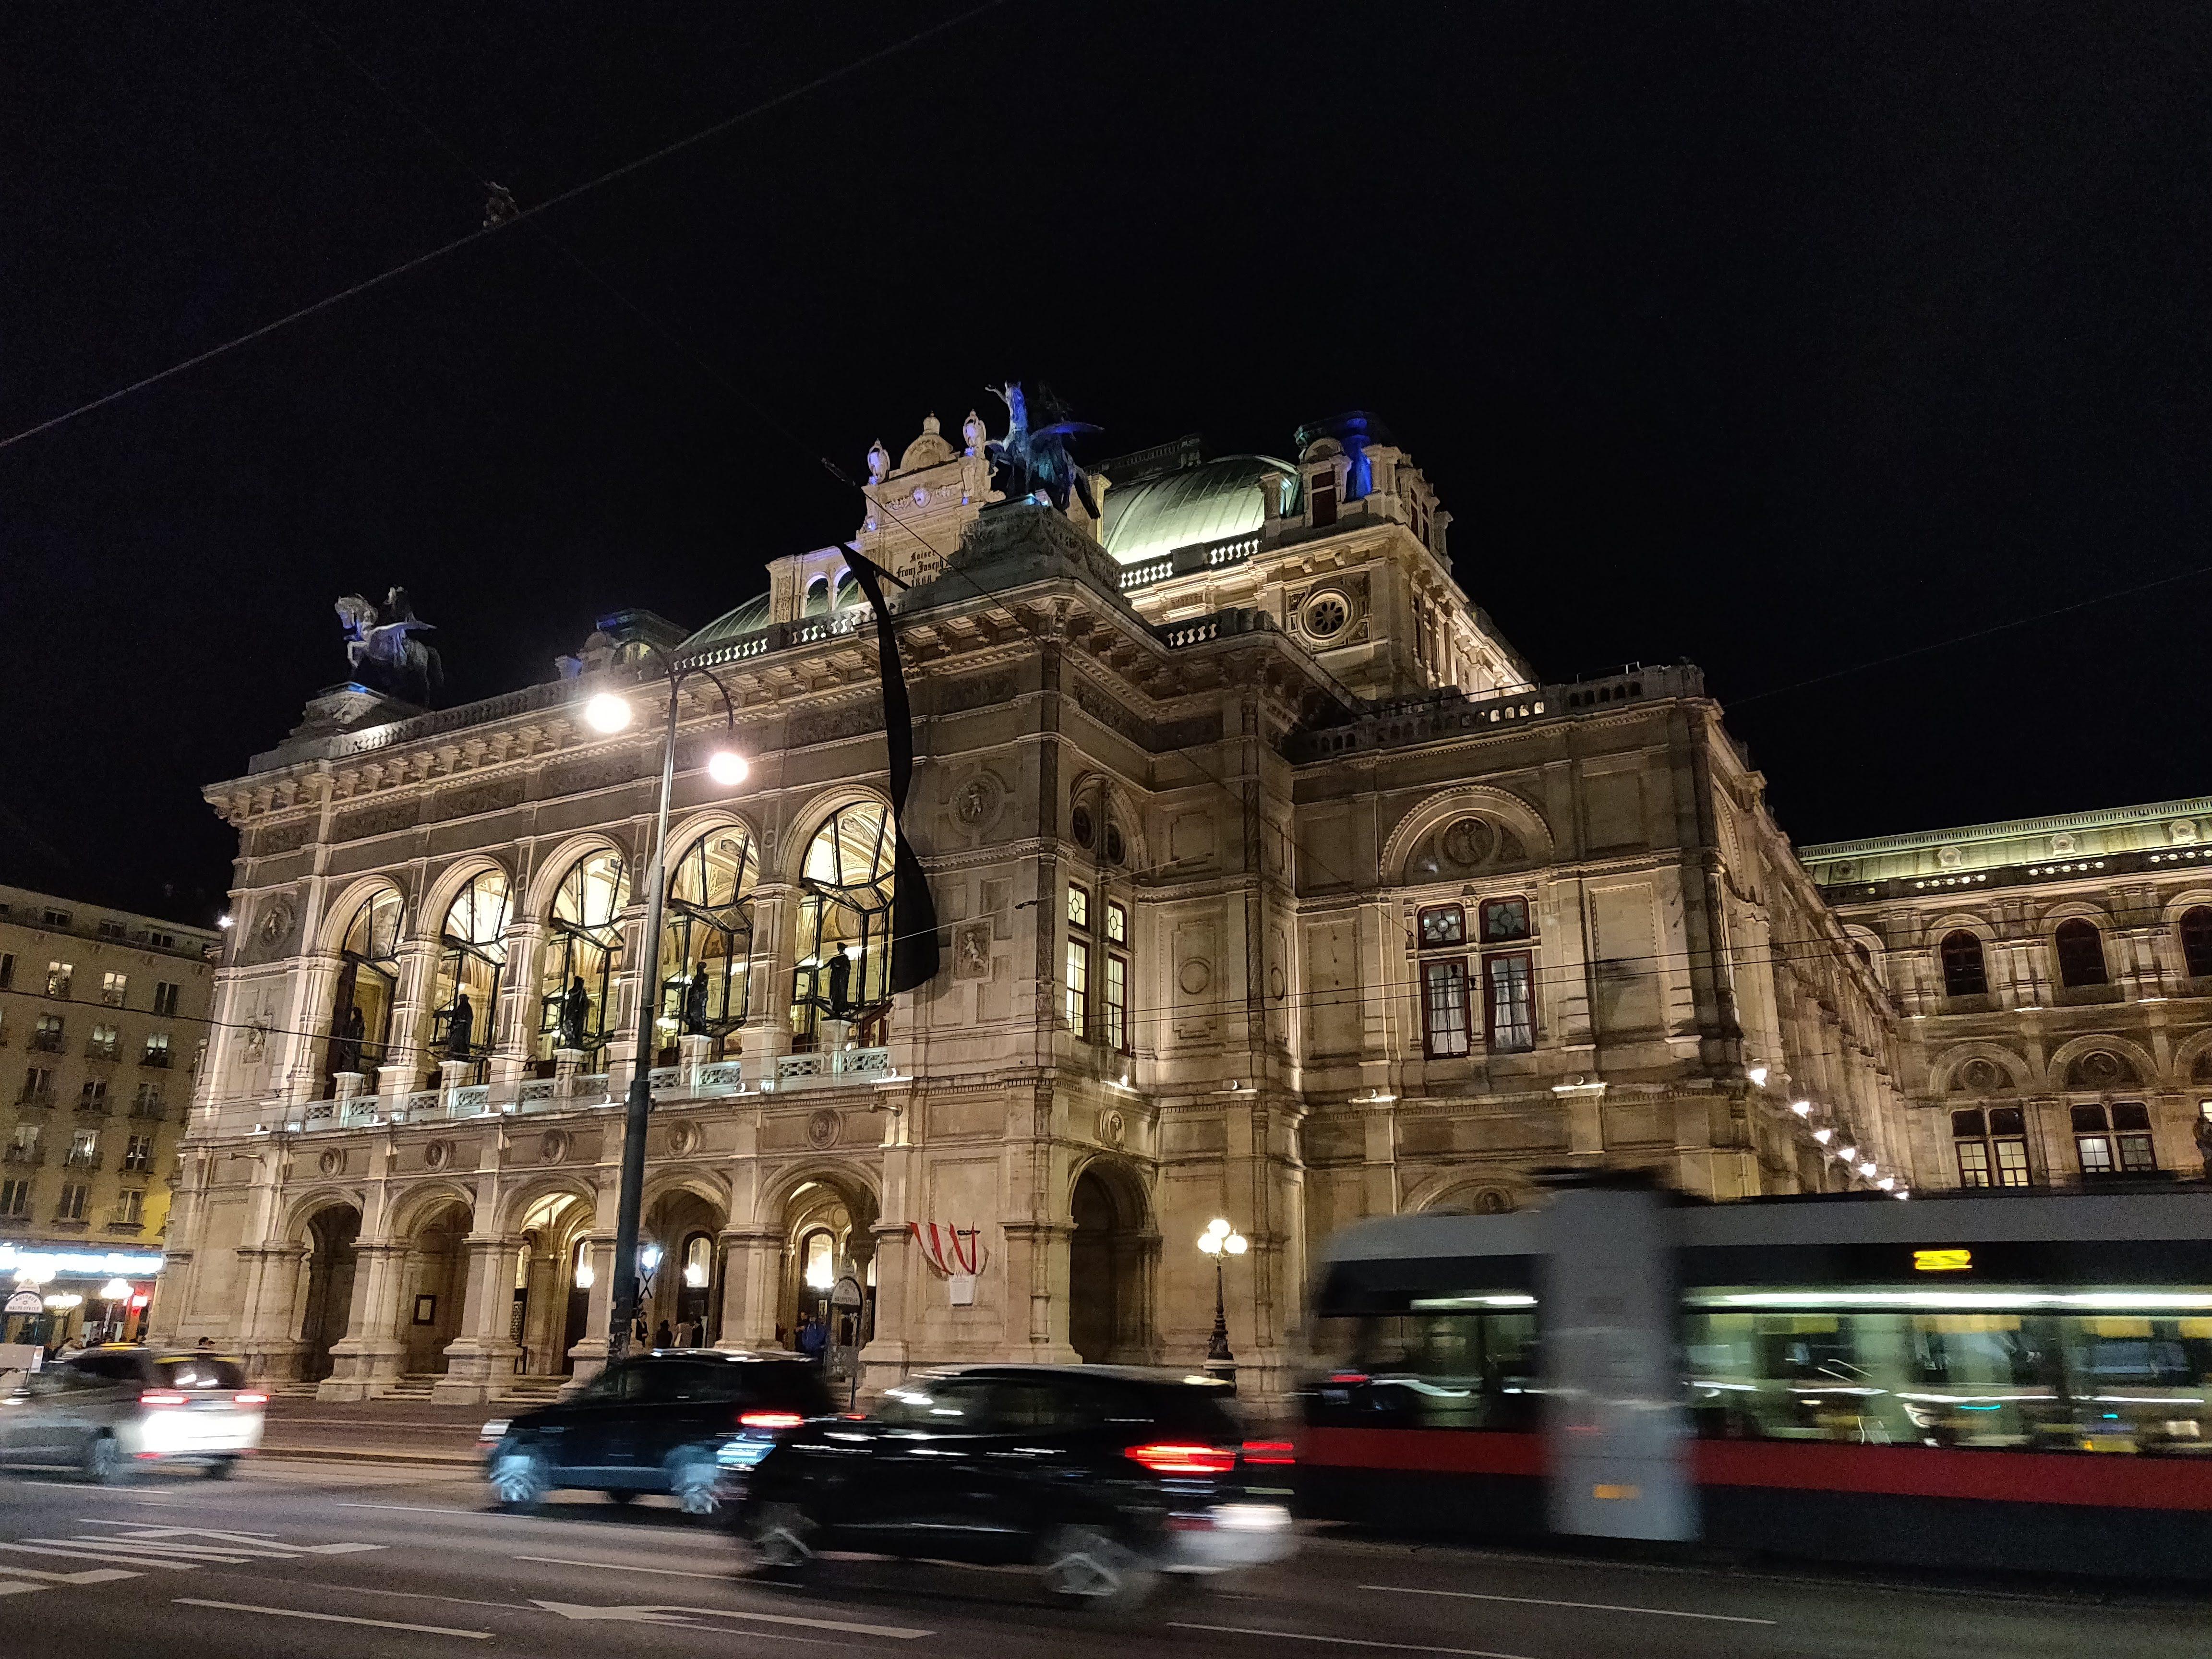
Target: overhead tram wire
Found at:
431, 256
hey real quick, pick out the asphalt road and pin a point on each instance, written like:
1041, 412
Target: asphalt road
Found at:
297, 1557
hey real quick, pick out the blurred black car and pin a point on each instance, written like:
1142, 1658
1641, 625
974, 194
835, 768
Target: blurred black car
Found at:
686, 1421
1103, 1477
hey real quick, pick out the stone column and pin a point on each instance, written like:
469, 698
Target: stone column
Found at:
698, 1052
567, 1067
515, 1045
589, 1352
767, 1032
401, 1072
365, 1362
898, 1315
316, 985
752, 1281
268, 1321
480, 1362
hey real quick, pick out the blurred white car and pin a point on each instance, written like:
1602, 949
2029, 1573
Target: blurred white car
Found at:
110, 1409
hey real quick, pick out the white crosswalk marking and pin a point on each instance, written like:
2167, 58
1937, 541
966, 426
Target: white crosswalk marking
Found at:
138, 1545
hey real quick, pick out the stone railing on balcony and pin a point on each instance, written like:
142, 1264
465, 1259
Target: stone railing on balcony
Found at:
1187, 561
1219, 624
1448, 715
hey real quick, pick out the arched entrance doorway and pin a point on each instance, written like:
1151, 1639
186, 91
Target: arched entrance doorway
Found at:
678, 1237
330, 1235
550, 1306
829, 1234
434, 1286
1109, 1269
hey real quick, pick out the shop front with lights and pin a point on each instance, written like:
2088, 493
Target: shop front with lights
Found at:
54, 1292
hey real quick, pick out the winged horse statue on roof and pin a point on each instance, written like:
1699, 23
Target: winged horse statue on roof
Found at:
1035, 463
382, 650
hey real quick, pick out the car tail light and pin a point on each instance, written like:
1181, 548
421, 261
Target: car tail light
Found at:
1269, 1451
162, 1397
769, 1419
250, 1399
1349, 1376
1167, 1457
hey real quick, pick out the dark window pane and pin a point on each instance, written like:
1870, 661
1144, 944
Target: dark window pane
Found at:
2081, 953
2007, 1120
1968, 1122
2196, 941
2088, 1119
1505, 919
2130, 1114
1964, 973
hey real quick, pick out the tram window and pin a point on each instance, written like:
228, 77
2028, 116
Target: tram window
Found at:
1992, 1380
1464, 1371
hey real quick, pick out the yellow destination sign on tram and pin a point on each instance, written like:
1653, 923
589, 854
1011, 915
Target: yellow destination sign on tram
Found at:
1942, 1261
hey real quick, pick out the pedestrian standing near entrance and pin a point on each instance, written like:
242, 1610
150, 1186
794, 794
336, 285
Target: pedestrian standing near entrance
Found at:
662, 1336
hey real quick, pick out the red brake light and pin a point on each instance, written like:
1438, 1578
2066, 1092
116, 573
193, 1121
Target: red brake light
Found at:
251, 1398
162, 1397
1269, 1451
770, 1419
1175, 1458
1349, 1376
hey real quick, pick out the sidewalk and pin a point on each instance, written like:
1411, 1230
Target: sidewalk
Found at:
376, 1431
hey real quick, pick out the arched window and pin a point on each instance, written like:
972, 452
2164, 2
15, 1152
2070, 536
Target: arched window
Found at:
707, 940
472, 955
818, 597
2081, 953
1965, 975
583, 951
369, 984
844, 925
849, 590
2197, 942
820, 1254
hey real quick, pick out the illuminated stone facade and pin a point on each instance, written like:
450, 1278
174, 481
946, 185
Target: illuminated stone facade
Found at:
2053, 978
1273, 885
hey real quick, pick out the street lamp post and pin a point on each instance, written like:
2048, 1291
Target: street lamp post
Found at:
1218, 1241
609, 712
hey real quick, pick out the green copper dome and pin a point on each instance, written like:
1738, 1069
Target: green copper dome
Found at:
747, 618
1228, 497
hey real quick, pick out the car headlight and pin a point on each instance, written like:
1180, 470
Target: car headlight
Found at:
493, 1432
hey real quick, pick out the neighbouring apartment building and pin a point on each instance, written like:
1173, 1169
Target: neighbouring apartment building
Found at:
1272, 885
103, 1014
2053, 984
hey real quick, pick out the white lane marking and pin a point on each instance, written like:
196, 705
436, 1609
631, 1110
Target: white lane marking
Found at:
655, 1612
132, 1549
251, 1541
90, 1575
1347, 1640
411, 1509
1587, 1607
105, 1555
616, 1566
22, 1589
331, 1617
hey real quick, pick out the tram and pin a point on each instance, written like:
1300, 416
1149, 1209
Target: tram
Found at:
2020, 1382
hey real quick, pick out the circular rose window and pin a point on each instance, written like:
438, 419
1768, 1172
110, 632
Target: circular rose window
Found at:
1327, 613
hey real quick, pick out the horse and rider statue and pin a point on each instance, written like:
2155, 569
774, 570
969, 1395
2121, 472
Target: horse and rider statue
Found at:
383, 652
1034, 465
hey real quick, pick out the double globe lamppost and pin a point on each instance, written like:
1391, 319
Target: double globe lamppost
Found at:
608, 713
1218, 1241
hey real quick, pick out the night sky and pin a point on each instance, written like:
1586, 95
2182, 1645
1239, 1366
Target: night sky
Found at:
1781, 338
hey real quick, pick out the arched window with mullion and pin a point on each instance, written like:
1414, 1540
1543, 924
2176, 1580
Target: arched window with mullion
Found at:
472, 958
1964, 972
707, 940
583, 954
2197, 942
369, 985
843, 944
2080, 950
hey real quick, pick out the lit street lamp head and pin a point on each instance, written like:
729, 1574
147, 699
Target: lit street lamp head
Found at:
727, 768
607, 713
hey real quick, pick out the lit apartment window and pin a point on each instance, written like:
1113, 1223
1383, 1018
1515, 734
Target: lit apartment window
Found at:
47, 1038
130, 1208
1443, 1008
23, 1144
14, 1198
138, 1155
75, 1196
1114, 1005
1992, 1147
1079, 906
1509, 1001
102, 1044
2119, 1143
1117, 923
157, 1049
58, 974
165, 999
1079, 985
84, 1151
112, 985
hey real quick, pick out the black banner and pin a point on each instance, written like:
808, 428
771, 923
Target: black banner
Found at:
914, 912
